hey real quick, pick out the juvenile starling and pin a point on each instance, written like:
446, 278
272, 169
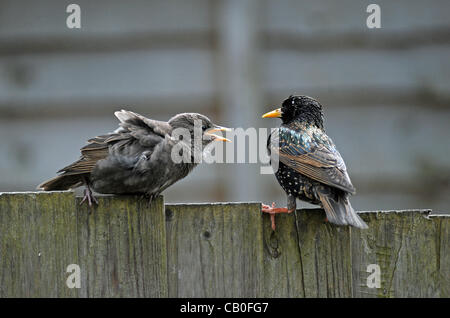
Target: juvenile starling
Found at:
310, 167
137, 157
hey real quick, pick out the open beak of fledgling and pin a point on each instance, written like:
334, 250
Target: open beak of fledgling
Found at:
216, 128
273, 114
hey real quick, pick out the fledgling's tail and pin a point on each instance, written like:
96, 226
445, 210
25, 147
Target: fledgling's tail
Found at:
62, 182
338, 208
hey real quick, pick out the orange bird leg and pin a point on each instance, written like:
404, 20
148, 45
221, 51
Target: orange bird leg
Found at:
272, 210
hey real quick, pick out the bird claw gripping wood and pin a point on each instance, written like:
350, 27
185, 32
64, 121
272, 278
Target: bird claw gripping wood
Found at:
267, 209
88, 197
272, 210
148, 198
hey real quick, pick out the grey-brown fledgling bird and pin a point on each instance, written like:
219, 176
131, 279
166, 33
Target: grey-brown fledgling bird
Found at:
137, 157
310, 167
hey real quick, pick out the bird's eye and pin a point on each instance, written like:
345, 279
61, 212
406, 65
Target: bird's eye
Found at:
204, 127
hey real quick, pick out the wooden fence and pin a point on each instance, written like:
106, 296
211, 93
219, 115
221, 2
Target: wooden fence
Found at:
125, 248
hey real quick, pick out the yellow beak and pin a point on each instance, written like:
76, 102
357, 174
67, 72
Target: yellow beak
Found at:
273, 114
216, 137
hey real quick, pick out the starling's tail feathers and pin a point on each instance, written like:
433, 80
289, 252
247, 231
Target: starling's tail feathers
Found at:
63, 182
339, 210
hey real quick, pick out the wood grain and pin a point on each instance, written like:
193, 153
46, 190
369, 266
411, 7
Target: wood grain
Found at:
127, 249
38, 240
119, 246
408, 247
122, 248
214, 250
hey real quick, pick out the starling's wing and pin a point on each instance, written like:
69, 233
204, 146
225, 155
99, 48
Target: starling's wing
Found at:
136, 134
142, 127
78, 172
313, 154
96, 149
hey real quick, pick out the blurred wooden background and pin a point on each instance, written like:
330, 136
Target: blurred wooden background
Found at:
386, 92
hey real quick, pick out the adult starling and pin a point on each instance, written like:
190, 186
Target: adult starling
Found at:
310, 167
137, 157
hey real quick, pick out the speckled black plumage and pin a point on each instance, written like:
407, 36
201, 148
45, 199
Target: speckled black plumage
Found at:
310, 167
135, 158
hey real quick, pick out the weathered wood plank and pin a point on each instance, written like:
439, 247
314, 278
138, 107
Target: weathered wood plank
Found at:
408, 248
122, 248
214, 250
325, 255
283, 268
119, 246
307, 257
38, 240
443, 276
126, 249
